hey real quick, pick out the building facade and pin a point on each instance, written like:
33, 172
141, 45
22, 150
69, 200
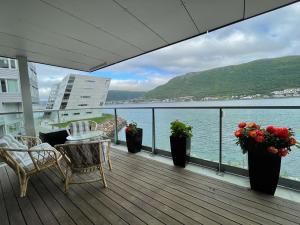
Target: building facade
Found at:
76, 95
10, 94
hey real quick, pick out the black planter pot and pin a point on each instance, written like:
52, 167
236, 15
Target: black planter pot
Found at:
264, 169
180, 150
134, 142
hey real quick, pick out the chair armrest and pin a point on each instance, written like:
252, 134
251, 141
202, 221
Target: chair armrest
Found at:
40, 158
29, 141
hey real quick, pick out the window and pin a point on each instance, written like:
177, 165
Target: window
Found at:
101, 104
85, 96
63, 105
76, 113
12, 86
13, 64
82, 105
65, 114
90, 81
3, 85
88, 112
3, 63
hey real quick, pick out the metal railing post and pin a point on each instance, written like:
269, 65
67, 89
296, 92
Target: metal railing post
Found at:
58, 117
116, 126
220, 139
153, 132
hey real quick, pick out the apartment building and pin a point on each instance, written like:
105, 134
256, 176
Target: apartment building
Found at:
10, 95
76, 95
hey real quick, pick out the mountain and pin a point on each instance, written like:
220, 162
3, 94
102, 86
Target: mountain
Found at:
256, 77
115, 95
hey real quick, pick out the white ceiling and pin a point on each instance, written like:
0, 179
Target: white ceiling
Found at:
90, 34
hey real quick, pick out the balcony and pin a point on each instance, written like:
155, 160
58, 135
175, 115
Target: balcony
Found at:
140, 191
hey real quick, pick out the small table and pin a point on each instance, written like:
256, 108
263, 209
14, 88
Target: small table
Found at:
87, 136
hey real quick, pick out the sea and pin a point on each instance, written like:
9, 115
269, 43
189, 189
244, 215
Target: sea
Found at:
205, 123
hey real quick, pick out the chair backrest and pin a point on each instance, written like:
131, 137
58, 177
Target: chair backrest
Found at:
80, 127
83, 155
9, 142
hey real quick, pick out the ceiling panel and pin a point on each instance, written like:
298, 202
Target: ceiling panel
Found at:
86, 34
112, 19
168, 18
210, 14
256, 7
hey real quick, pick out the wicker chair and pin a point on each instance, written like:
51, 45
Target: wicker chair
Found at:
28, 156
84, 158
82, 126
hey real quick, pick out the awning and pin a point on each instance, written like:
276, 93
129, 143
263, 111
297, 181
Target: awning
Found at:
91, 34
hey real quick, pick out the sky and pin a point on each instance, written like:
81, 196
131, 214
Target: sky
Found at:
274, 34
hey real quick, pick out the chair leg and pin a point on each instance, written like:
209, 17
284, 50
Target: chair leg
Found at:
60, 171
109, 162
67, 178
23, 186
102, 175
108, 157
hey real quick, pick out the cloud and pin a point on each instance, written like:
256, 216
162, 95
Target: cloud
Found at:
138, 85
271, 35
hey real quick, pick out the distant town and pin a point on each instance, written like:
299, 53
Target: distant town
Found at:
286, 93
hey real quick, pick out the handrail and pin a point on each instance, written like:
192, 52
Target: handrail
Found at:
163, 107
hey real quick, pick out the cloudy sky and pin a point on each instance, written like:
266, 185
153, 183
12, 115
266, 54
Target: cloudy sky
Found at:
271, 35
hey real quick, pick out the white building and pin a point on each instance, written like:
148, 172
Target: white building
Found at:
10, 95
76, 96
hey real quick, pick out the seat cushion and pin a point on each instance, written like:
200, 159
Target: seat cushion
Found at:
79, 127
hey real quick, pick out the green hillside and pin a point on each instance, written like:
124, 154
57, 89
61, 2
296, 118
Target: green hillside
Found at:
115, 95
256, 77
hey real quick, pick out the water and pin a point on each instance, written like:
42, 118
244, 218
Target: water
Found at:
205, 122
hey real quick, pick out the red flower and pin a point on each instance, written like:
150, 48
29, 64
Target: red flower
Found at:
283, 152
238, 133
271, 129
272, 150
242, 125
282, 132
259, 133
259, 139
252, 133
292, 141
127, 130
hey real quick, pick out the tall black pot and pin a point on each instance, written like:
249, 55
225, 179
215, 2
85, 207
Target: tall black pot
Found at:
180, 150
134, 141
264, 170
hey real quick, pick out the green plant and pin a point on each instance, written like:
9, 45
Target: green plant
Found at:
179, 129
131, 128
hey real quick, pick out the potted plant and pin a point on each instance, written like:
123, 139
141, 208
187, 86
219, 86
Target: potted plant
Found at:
134, 137
265, 149
180, 141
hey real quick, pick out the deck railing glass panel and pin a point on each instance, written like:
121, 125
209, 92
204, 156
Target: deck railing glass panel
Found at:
206, 148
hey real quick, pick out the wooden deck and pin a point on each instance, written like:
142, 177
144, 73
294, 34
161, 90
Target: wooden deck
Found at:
140, 191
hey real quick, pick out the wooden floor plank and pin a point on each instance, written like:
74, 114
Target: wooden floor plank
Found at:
96, 210
210, 211
57, 210
26, 207
143, 203
3, 212
251, 217
153, 176
41, 208
140, 191
73, 211
215, 183
14, 212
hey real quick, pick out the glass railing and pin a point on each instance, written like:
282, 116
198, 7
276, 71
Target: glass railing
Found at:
212, 144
